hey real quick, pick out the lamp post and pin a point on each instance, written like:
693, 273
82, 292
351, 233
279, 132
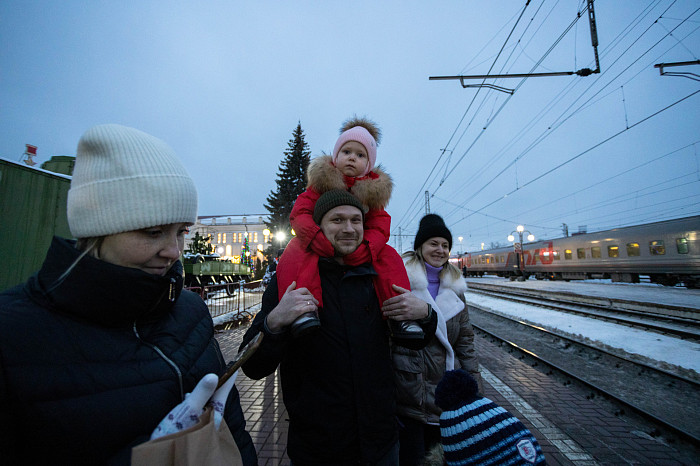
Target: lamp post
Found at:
518, 248
460, 238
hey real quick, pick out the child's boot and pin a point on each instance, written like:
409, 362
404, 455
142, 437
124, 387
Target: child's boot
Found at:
405, 330
305, 323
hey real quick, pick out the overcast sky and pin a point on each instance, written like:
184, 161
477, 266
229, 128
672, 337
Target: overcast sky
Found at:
225, 83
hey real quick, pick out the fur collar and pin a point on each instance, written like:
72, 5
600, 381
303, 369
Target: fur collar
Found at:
323, 176
419, 279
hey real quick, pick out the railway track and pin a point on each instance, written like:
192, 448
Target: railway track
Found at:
669, 320
666, 402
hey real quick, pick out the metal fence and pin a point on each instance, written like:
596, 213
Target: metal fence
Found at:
239, 299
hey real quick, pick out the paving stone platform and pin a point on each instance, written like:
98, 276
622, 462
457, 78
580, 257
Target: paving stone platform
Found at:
571, 426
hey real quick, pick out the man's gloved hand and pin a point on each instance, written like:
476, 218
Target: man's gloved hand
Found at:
187, 413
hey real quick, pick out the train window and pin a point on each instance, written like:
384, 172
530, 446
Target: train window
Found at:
613, 251
556, 255
581, 253
657, 248
567, 254
595, 252
632, 249
682, 245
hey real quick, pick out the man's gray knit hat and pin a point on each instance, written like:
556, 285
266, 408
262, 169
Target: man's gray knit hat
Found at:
334, 198
125, 179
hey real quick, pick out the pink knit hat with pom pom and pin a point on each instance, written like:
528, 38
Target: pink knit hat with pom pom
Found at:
359, 133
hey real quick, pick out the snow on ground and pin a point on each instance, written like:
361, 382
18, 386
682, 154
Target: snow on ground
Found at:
645, 292
231, 316
650, 345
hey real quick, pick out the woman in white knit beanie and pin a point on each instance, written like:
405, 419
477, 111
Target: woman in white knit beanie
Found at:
102, 342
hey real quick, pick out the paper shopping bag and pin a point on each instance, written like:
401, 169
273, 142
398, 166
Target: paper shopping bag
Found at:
200, 445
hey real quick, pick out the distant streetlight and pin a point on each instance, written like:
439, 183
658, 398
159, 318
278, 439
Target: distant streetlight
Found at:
281, 236
518, 247
460, 244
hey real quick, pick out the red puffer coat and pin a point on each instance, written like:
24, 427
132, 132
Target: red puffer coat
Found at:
300, 259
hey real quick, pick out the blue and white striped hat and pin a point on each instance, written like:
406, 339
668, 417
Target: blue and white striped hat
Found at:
475, 430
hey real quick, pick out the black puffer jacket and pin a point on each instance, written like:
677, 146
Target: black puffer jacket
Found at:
337, 383
89, 367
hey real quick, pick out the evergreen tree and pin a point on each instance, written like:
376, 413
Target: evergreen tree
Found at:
200, 245
291, 181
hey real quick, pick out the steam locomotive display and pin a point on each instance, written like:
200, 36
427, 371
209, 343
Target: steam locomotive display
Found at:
668, 252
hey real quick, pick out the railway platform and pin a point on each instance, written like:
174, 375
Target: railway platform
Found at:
572, 426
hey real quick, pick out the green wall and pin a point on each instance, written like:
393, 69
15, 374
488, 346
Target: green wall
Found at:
32, 211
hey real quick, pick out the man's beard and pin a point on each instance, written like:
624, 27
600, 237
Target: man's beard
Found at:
343, 248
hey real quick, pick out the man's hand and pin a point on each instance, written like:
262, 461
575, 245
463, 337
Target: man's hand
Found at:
405, 306
293, 304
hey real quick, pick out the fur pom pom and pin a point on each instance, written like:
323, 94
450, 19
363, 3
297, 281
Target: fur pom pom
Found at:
457, 388
366, 123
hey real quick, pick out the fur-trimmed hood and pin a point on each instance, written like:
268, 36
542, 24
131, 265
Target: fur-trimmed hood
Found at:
419, 279
373, 192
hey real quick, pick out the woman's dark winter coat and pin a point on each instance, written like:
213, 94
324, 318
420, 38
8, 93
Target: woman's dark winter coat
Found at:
337, 383
417, 373
90, 365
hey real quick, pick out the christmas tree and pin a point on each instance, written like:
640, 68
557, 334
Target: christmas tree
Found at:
291, 181
246, 257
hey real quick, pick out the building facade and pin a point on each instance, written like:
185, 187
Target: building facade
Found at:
229, 233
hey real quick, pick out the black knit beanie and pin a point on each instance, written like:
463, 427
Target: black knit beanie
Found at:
431, 225
334, 198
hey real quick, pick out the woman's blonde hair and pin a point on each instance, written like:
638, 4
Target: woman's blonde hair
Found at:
416, 258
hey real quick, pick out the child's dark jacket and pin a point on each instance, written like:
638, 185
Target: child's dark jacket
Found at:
300, 259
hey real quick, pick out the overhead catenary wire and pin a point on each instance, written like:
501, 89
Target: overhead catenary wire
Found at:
556, 125
593, 93
467, 110
595, 146
403, 218
519, 187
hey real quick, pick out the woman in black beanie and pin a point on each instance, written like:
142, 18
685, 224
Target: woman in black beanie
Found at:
417, 373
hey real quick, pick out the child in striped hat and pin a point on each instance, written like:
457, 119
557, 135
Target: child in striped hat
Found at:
475, 430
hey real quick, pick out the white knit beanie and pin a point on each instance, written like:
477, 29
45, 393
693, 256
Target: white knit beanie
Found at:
125, 179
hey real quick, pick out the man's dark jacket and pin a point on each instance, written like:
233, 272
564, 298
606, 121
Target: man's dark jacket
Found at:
337, 383
89, 368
